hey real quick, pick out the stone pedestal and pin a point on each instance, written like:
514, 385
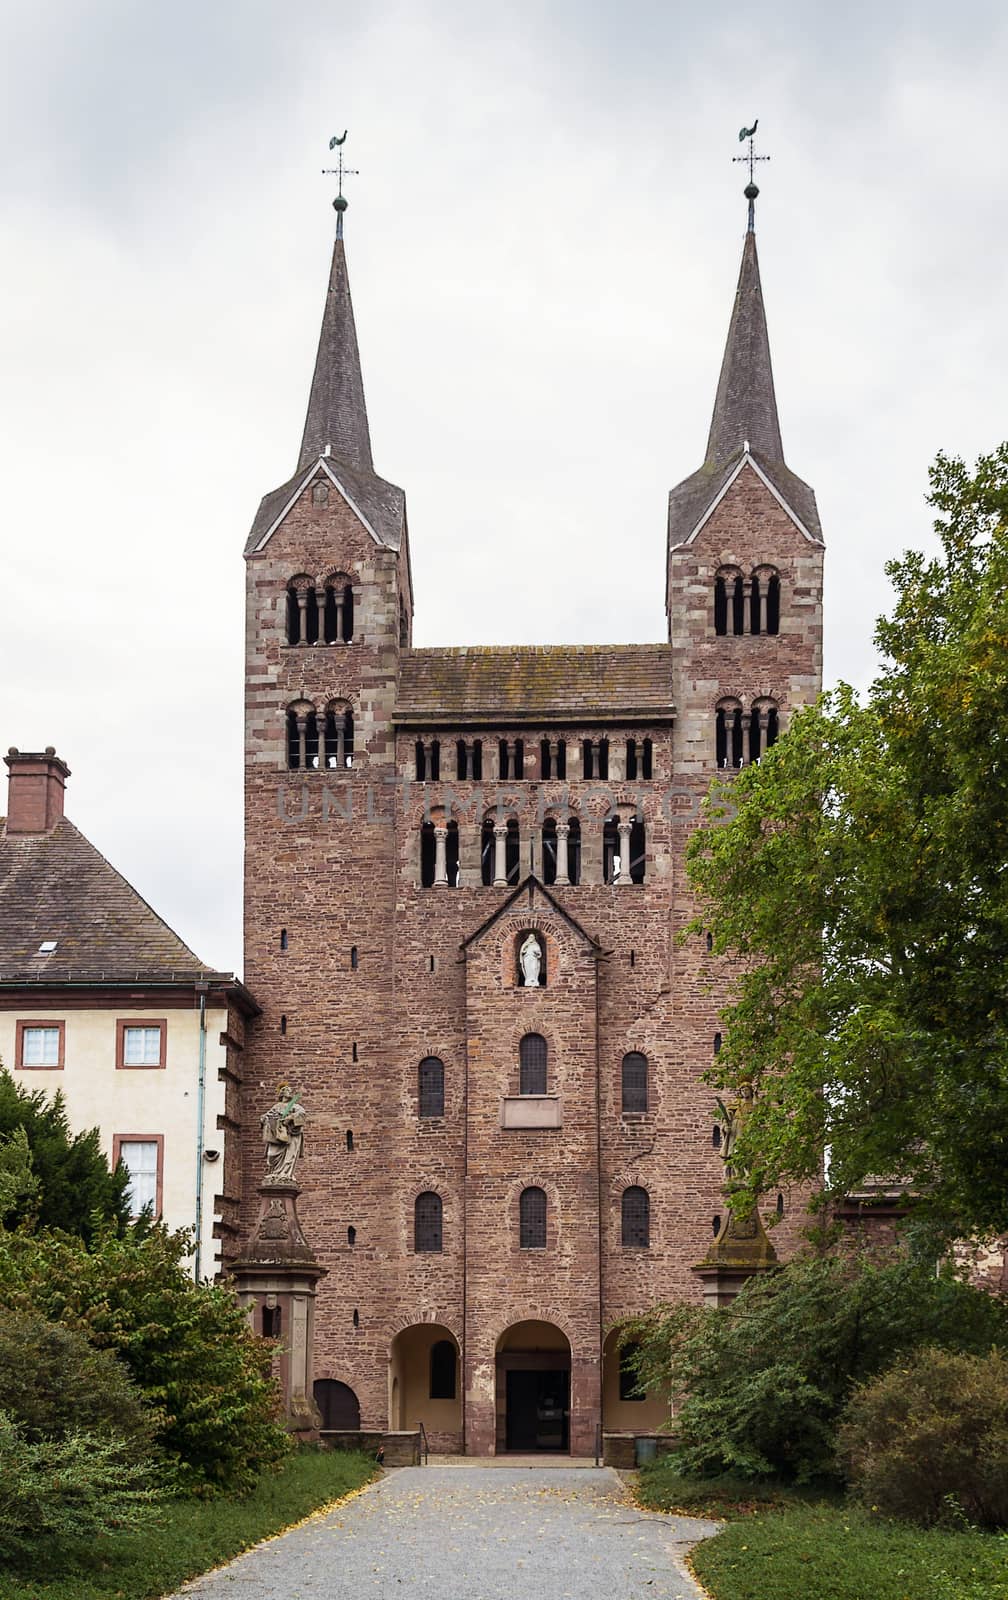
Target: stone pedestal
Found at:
740, 1251
275, 1278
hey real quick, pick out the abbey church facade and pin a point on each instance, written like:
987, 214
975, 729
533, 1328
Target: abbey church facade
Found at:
464, 886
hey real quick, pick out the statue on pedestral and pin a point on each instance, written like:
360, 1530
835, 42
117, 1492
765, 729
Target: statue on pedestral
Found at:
283, 1135
530, 961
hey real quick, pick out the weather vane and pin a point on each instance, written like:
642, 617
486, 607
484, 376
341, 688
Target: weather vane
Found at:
750, 191
340, 172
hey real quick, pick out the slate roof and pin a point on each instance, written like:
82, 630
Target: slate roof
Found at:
540, 683
745, 411
56, 885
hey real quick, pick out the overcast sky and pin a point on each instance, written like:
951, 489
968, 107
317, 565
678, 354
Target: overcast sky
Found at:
543, 243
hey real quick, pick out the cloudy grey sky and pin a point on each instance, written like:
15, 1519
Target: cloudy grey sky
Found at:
543, 244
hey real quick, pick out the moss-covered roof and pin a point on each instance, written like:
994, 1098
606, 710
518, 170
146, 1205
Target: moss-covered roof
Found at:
541, 683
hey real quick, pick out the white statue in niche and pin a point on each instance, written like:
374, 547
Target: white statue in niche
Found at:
530, 961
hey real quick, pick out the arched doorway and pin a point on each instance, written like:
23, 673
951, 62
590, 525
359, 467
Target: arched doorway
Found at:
425, 1383
533, 1389
338, 1405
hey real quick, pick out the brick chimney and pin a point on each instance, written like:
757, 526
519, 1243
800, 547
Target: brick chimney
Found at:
35, 789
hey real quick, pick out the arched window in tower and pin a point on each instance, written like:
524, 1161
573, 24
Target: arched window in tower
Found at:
738, 605
427, 1222
773, 605
636, 1218
469, 759
487, 848
729, 601
728, 736
336, 747
532, 1219
428, 849
532, 1059
302, 737
763, 727
764, 600
443, 1369
634, 1082
574, 850
549, 850
512, 851
638, 849
553, 758
452, 869
403, 625
430, 1076
612, 864
302, 617
639, 759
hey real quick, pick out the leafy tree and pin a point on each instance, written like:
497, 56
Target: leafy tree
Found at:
18, 1183
55, 1494
75, 1188
188, 1347
53, 1382
762, 1384
857, 874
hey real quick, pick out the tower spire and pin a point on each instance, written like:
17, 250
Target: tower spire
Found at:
337, 422
745, 407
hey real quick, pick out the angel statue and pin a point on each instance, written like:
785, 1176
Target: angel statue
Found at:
283, 1135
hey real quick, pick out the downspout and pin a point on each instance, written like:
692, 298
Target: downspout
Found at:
200, 1108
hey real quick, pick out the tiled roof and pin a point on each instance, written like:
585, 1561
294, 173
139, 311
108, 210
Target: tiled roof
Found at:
58, 886
548, 683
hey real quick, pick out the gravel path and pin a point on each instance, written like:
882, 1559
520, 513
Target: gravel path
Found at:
465, 1533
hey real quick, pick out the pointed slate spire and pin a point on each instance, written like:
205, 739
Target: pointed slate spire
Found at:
337, 421
745, 407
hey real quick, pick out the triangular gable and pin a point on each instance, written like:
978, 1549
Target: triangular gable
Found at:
529, 886
301, 484
747, 459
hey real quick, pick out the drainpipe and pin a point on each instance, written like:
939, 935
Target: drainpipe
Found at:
200, 1107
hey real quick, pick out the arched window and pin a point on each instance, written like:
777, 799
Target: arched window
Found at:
403, 625
635, 1081
302, 615
636, 1218
532, 1056
512, 851
764, 600
452, 855
611, 850
427, 855
430, 1076
639, 758
728, 736
549, 850
338, 1404
638, 850
763, 728
574, 850
427, 1222
302, 737
469, 758
487, 852
773, 605
729, 601
553, 758
532, 1219
443, 1369
337, 737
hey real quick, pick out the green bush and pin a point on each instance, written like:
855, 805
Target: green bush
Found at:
928, 1440
764, 1381
58, 1493
53, 1382
200, 1370
71, 1184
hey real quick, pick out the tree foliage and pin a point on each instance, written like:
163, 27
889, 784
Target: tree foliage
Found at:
73, 1188
200, 1370
760, 1385
858, 876
53, 1382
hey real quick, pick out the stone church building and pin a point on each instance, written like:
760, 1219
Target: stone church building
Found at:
464, 884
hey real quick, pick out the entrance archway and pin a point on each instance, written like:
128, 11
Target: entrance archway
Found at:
338, 1405
425, 1383
533, 1389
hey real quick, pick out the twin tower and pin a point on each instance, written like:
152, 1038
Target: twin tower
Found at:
463, 888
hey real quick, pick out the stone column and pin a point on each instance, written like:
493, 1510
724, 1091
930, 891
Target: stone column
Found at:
761, 600
624, 853
302, 600
320, 723
562, 868
744, 719
500, 856
302, 730
440, 857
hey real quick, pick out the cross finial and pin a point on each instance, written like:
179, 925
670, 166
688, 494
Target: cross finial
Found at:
750, 191
340, 172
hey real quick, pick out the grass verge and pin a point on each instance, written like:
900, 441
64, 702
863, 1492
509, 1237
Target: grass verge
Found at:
783, 1543
191, 1536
